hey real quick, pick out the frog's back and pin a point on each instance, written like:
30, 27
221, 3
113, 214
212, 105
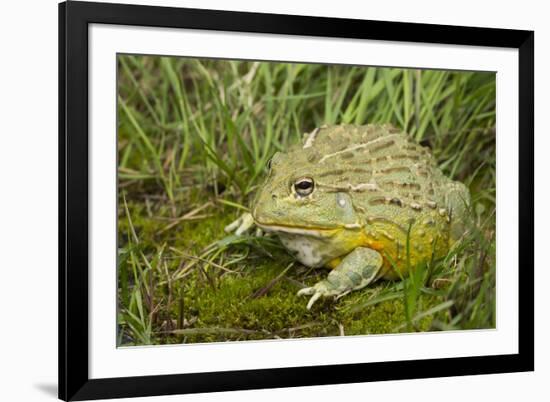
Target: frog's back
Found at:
395, 186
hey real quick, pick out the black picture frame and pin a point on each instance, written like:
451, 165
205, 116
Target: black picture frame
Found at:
74, 18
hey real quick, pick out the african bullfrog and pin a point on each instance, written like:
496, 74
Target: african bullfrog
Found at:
355, 199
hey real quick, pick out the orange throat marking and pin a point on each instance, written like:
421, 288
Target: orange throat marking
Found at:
375, 245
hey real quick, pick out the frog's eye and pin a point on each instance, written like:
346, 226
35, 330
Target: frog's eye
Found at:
304, 186
269, 164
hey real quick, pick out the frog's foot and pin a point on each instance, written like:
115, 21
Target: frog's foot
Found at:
242, 225
321, 289
357, 270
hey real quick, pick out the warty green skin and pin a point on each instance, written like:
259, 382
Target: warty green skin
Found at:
376, 195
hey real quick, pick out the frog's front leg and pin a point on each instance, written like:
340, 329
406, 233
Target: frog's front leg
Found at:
357, 270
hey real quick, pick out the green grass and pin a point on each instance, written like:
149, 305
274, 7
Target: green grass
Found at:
194, 137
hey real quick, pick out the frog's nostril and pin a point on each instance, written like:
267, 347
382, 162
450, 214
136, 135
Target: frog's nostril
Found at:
273, 196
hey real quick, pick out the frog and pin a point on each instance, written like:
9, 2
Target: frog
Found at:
365, 201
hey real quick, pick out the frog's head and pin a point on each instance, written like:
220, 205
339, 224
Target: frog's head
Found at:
295, 197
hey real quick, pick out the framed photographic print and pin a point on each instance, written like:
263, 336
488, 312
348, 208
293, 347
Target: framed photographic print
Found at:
259, 200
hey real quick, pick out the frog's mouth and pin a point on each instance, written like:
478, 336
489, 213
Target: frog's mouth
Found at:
299, 230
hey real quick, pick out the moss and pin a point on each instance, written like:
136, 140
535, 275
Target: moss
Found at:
280, 313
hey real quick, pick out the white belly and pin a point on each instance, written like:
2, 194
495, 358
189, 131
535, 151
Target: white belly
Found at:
310, 251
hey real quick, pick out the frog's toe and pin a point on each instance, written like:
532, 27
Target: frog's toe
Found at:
306, 291
241, 225
233, 225
313, 299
